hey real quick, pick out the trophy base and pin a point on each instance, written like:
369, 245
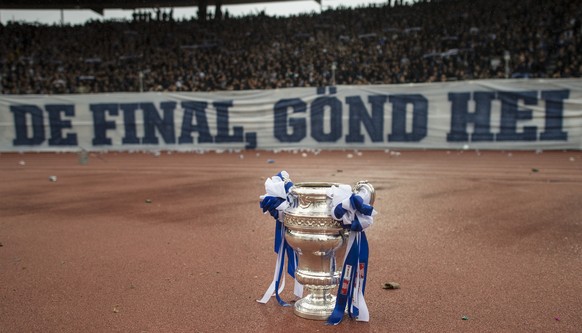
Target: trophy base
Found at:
314, 306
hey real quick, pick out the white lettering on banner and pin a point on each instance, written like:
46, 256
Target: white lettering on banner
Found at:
488, 114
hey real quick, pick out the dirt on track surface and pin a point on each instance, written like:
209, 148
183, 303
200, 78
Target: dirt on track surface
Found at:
177, 242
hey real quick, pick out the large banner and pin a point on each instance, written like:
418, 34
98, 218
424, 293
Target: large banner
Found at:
489, 114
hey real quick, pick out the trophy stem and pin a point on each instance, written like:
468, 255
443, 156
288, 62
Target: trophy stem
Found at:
317, 305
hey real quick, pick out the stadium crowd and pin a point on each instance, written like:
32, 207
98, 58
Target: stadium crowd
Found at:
425, 41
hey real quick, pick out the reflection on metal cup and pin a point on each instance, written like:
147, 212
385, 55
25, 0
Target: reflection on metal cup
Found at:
320, 242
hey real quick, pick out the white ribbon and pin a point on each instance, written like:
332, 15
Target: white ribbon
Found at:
341, 195
271, 290
275, 187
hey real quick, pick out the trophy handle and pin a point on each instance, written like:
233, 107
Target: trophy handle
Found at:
365, 189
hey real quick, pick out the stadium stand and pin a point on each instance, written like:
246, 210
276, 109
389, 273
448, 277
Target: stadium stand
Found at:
427, 41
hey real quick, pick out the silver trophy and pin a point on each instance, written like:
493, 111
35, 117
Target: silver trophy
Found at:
320, 243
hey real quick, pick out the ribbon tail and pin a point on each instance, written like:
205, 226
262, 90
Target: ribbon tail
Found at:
268, 294
346, 287
364, 255
291, 263
280, 274
353, 302
279, 234
272, 290
276, 286
351, 240
364, 314
282, 285
298, 287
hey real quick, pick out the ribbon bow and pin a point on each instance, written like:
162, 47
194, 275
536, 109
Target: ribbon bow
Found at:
356, 214
275, 202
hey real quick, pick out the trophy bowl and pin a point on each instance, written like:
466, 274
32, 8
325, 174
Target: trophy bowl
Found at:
320, 243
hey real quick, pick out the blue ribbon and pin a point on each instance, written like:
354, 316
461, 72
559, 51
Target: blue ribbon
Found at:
357, 203
364, 255
357, 258
270, 204
281, 258
363, 266
346, 286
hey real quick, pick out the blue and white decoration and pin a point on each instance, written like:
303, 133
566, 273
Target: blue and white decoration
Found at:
275, 202
355, 213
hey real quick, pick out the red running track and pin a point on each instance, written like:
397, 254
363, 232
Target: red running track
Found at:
492, 236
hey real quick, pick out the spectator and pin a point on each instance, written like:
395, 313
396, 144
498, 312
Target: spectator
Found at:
432, 41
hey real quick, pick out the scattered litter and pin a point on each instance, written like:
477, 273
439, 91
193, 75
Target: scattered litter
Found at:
539, 151
359, 153
465, 318
391, 285
394, 153
465, 147
116, 309
304, 154
53, 178
572, 159
557, 318
157, 153
509, 155
270, 161
83, 157
148, 201
258, 154
22, 163
1, 244
534, 170
242, 157
350, 156
339, 170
